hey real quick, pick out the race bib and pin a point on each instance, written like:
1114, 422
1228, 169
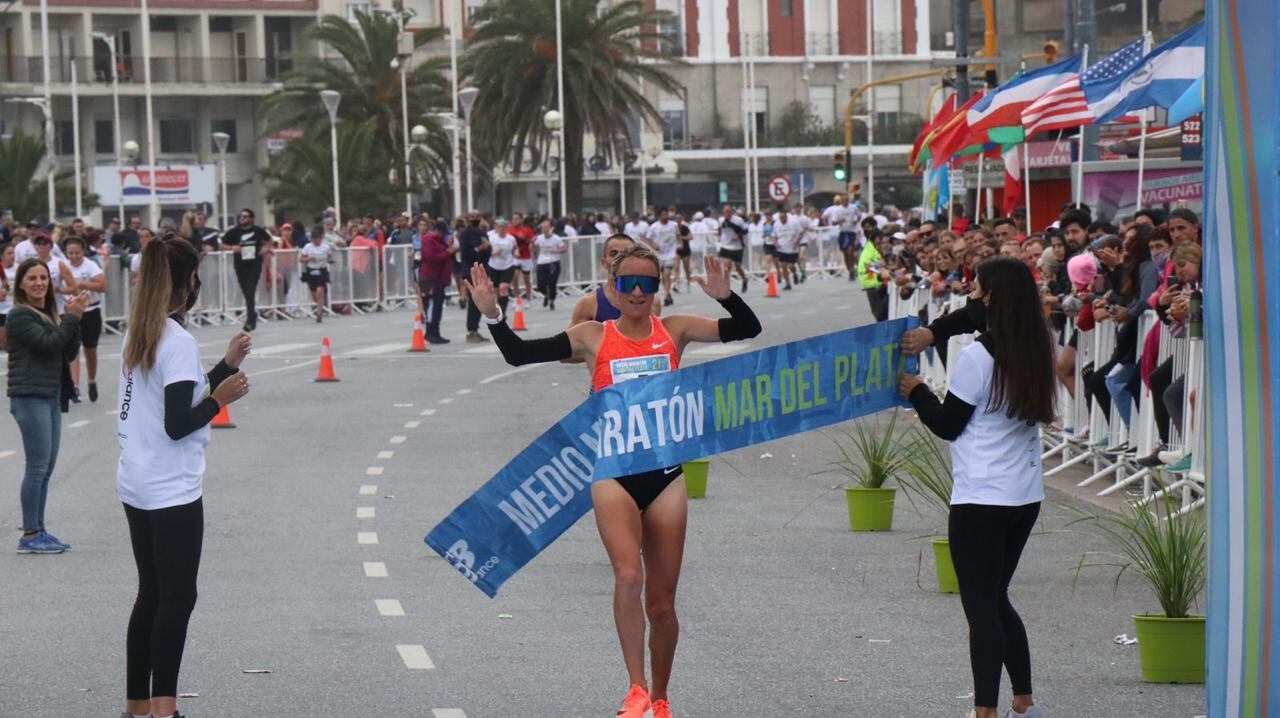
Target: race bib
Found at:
314, 272
633, 367
248, 252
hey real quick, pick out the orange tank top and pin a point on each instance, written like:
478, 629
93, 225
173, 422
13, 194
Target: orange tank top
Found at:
621, 358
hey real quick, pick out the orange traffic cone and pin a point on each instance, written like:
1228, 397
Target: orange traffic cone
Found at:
419, 344
773, 286
223, 419
517, 322
326, 364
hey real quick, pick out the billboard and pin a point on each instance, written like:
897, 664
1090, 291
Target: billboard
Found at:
174, 185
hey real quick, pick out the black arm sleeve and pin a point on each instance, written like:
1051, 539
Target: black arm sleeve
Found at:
973, 318
180, 417
741, 323
219, 374
519, 352
945, 419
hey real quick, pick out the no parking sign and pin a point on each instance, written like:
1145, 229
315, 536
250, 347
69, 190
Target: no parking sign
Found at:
779, 188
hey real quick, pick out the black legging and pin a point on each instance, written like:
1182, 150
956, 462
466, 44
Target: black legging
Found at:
248, 277
433, 304
166, 548
986, 543
1160, 380
548, 277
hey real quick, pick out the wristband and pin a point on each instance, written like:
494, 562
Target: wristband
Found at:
502, 317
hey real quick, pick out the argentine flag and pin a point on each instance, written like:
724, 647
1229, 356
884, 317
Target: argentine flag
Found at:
1159, 80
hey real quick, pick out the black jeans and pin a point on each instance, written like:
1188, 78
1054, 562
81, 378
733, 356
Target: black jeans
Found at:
548, 277
878, 298
248, 275
433, 304
1160, 379
1095, 387
166, 548
986, 543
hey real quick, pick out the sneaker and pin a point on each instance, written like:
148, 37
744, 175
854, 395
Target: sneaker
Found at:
75, 395
636, 704
1032, 712
475, 338
319, 318
436, 339
668, 301
786, 288
1182, 466
1171, 457
744, 285
1153, 460
661, 709
93, 391
54, 539
39, 543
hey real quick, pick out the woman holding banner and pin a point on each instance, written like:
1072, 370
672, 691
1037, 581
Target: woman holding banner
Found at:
641, 518
1002, 388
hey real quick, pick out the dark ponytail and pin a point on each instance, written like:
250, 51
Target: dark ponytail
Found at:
1023, 384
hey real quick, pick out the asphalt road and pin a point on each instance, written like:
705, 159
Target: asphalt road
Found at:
319, 598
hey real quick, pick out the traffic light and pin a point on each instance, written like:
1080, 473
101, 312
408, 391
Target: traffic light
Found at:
841, 169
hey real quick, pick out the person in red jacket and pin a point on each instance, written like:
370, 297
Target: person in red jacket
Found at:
524, 235
435, 274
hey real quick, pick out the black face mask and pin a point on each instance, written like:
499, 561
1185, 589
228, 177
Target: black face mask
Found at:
194, 295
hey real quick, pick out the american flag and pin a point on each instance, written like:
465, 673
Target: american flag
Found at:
1065, 105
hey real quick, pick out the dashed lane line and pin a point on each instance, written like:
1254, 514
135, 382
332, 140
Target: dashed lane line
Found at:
447, 400
448, 713
367, 538
365, 512
415, 657
288, 367
375, 569
6, 454
375, 350
427, 412
78, 424
487, 349
398, 439
412, 424
373, 471
463, 392
369, 490
386, 454
279, 349
509, 372
402, 406
389, 607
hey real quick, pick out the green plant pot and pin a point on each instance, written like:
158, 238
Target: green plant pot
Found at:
1171, 650
695, 478
870, 509
947, 582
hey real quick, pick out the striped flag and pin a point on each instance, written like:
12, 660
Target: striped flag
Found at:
1065, 106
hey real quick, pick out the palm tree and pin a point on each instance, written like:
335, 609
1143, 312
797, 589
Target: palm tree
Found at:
370, 89
511, 59
22, 190
301, 179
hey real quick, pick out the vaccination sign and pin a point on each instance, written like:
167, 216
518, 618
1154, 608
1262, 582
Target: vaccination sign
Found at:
174, 185
663, 420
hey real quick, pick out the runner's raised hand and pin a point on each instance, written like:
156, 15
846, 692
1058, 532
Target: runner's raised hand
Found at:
716, 284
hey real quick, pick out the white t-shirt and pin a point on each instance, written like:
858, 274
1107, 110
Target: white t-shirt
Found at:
787, 235
728, 237
502, 250
86, 272
995, 460
665, 238
55, 265
135, 263
316, 256
156, 472
833, 215
548, 248
636, 230
26, 249
604, 229
11, 277
570, 231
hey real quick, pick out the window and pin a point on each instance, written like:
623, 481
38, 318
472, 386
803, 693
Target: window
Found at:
355, 7
822, 103
758, 105
227, 126
177, 136
63, 137
673, 123
167, 23
888, 107
220, 24
104, 137
784, 8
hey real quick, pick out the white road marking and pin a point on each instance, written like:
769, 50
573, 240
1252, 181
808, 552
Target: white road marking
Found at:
397, 439
365, 512
509, 372
448, 713
463, 392
415, 657
427, 412
369, 490
288, 367
279, 349
376, 349
111, 412
6, 454
719, 350
373, 471
841, 307
402, 406
412, 424
386, 454
375, 569
486, 349
447, 400
389, 607
78, 424
367, 538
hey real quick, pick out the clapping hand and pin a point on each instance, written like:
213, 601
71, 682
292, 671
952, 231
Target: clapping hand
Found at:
237, 349
716, 283
76, 305
481, 291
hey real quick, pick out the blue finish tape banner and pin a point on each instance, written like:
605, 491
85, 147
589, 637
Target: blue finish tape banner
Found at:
660, 421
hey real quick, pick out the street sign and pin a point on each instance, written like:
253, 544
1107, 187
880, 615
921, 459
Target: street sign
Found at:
803, 182
779, 188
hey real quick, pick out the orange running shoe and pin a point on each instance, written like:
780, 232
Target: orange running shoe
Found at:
636, 703
661, 708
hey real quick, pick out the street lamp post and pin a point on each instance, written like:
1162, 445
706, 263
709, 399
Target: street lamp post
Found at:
220, 140
110, 42
454, 30
75, 136
51, 157
564, 208
467, 96
397, 64
129, 151
153, 208
554, 122
330, 98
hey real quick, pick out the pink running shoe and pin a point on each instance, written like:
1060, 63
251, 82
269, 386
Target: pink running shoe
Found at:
636, 703
661, 709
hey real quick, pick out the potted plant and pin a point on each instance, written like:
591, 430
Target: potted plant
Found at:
929, 479
872, 457
695, 478
1168, 551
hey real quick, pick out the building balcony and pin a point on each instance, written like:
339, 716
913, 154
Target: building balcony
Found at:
97, 72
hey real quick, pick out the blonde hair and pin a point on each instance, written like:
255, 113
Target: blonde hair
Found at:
188, 227
638, 251
164, 281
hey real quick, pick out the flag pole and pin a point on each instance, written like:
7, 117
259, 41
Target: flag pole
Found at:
1026, 182
1079, 188
1142, 139
977, 205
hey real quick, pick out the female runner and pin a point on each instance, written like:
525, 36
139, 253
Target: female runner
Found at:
641, 518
